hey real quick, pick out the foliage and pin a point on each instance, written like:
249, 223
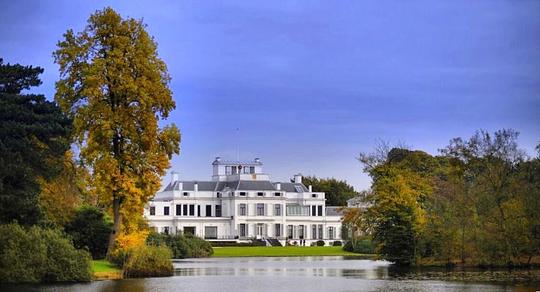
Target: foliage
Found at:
182, 246
90, 229
115, 87
475, 203
280, 251
149, 261
363, 246
319, 243
34, 135
337, 243
125, 244
337, 192
40, 255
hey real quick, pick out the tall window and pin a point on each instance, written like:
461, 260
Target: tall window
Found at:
199, 210
166, 229
252, 169
228, 170
319, 208
320, 231
260, 209
289, 231
277, 230
277, 210
301, 231
234, 171
166, 210
242, 210
313, 210
314, 231
218, 210
185, 210
330, 232
243, 231
191, 210
178, 210
208, 210
152, 210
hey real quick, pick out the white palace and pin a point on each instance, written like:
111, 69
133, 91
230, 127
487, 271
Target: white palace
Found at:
240, 203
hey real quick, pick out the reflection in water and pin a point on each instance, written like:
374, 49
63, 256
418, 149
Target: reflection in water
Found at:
299, 274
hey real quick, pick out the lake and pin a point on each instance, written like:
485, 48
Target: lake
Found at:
299, 274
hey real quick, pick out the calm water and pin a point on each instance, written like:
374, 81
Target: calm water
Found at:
275, 274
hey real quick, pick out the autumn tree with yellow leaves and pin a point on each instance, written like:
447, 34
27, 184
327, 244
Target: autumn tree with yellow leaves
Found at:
115, 87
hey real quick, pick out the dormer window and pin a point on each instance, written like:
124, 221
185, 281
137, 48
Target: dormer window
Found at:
219, 195
277, 194
299, 189
313, 195
242, 194
260, 194
186, 194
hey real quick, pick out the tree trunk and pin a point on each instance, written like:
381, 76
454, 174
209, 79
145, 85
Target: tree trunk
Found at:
117, 219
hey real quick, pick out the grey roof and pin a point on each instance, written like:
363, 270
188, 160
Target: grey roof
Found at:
189, 185
333, 211
262, 185
290, 187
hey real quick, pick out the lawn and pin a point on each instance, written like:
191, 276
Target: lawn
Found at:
278, 251
105, 270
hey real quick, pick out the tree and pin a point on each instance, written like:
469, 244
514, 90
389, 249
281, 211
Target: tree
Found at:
34, 135
337, 192
90, 228
115, 87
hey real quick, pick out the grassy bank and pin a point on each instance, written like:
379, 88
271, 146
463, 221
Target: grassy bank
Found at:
286, 251
103, 269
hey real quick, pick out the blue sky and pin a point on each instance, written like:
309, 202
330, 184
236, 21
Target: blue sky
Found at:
310, 84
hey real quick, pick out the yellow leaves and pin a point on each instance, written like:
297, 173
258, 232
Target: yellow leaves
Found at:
131, 240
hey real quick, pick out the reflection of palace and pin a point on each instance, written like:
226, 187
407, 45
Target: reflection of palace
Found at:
241, 204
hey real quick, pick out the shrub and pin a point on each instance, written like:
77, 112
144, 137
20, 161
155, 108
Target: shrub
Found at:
40, 255
149, 261
337, 243
360, 246
182, 246
90, 229
320, 243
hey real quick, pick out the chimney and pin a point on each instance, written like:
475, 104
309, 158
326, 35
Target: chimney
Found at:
174, 176
218, 159
196, 186
257, 160
310, 189
298, 178
278, 186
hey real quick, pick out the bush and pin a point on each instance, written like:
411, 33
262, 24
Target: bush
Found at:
182, 246
337, 243
320, 243
40, 255
360, 246
149, 261
90, 229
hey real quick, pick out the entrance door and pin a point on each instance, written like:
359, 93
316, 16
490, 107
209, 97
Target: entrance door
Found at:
260, 230
189, 230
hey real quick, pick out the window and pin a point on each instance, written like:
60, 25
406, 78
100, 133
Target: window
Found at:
289, 231
260, 209
277, 210
260, 194
178, 210
243, 230
243, 194
185, 209
319, 210
191, 210
234, 171
277, 230
277, 194
186, 194
219, 195
330, 232
166, 210
199, 210
218, 210
299, 189
301, 231
210, 232
297, 210
166, 229
313, 210
320, 231
228, 170
252, 169
208, 210
313, 195
152, 210
314, 231
242, 210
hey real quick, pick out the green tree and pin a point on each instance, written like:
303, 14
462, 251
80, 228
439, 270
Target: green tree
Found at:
115, 87
337, 192
90, 229
34, 135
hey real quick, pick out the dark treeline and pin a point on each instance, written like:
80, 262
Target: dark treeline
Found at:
477, 203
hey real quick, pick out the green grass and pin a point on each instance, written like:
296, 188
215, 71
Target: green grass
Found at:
103, 266
277, 251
